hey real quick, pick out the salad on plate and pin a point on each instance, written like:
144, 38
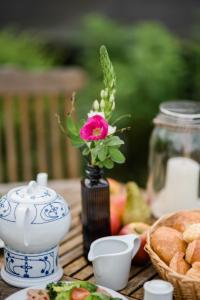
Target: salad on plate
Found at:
76, 290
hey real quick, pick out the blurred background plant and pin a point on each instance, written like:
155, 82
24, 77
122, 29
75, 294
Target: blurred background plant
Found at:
152, 65
25, 50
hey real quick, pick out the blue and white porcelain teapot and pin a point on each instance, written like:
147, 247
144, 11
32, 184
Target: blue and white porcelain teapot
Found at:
33, 220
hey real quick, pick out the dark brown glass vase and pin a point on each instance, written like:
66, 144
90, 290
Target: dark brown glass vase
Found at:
95, 206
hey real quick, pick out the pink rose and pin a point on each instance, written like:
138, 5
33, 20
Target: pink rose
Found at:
96, 128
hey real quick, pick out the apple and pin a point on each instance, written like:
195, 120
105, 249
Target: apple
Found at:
140, 229
118, 202
115, 221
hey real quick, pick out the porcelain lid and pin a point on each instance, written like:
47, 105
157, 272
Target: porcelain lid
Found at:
31, 193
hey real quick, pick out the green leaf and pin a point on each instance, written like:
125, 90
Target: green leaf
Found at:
94, 153
102, 153
114, 141
87, 285
63, 296
71, 127
108, 164
99, 164
98, 296
77, 142
116, 155
86, 151
80, 124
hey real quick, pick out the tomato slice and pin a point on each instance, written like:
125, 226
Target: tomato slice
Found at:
79, 294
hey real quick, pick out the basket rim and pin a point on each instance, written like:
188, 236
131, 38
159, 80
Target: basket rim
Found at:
153, 255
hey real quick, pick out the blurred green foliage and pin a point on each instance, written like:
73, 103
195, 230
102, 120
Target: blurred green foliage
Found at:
150, 68
147, 60
24, 50
152, 65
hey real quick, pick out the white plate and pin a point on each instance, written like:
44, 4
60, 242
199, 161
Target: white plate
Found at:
22, 295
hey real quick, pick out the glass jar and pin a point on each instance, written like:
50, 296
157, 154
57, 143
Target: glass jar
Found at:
174, 158
95, 206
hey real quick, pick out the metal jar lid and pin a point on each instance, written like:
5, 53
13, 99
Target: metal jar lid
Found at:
182, 114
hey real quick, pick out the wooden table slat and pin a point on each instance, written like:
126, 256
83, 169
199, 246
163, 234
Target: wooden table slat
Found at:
73, 232
71, 256
70, 245
139, 294
139, 280
85, 273
75, 266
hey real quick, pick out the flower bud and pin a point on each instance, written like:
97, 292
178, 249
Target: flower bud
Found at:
112, 83
96, 105
106, 93
113, 105
102, 94
102, 104
112, 98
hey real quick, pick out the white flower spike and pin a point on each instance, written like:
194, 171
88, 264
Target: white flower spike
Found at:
96, 105
113, 106
102, 94
102, 104
112, 98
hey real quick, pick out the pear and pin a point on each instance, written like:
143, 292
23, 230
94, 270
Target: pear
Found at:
136, 209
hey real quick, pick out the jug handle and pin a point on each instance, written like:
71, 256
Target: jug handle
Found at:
132, 238
137, 244
21, 216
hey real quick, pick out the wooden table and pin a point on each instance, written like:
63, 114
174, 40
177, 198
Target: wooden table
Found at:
71, 249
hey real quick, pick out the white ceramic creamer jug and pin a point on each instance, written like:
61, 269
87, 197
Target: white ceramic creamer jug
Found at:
33, 220
111, 257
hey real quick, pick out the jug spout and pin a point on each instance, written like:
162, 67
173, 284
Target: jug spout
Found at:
91, 256
132, 240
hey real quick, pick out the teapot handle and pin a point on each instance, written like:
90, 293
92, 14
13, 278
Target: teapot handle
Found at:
21, 220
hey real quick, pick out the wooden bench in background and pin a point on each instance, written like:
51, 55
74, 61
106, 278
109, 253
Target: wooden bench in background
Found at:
30, 138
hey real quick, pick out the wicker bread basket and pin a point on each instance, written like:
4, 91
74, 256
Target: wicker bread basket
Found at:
185, 288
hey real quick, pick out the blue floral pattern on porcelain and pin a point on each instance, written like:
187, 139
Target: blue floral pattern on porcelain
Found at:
7, 209
44, 193
31, 265
44, 213
50, 212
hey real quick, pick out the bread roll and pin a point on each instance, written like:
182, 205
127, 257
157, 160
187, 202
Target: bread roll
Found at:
178, 264
193, 252
192, 233
194, 272
166, 242
184, 219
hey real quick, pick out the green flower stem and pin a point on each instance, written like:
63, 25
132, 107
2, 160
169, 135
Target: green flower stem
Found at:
121, 118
